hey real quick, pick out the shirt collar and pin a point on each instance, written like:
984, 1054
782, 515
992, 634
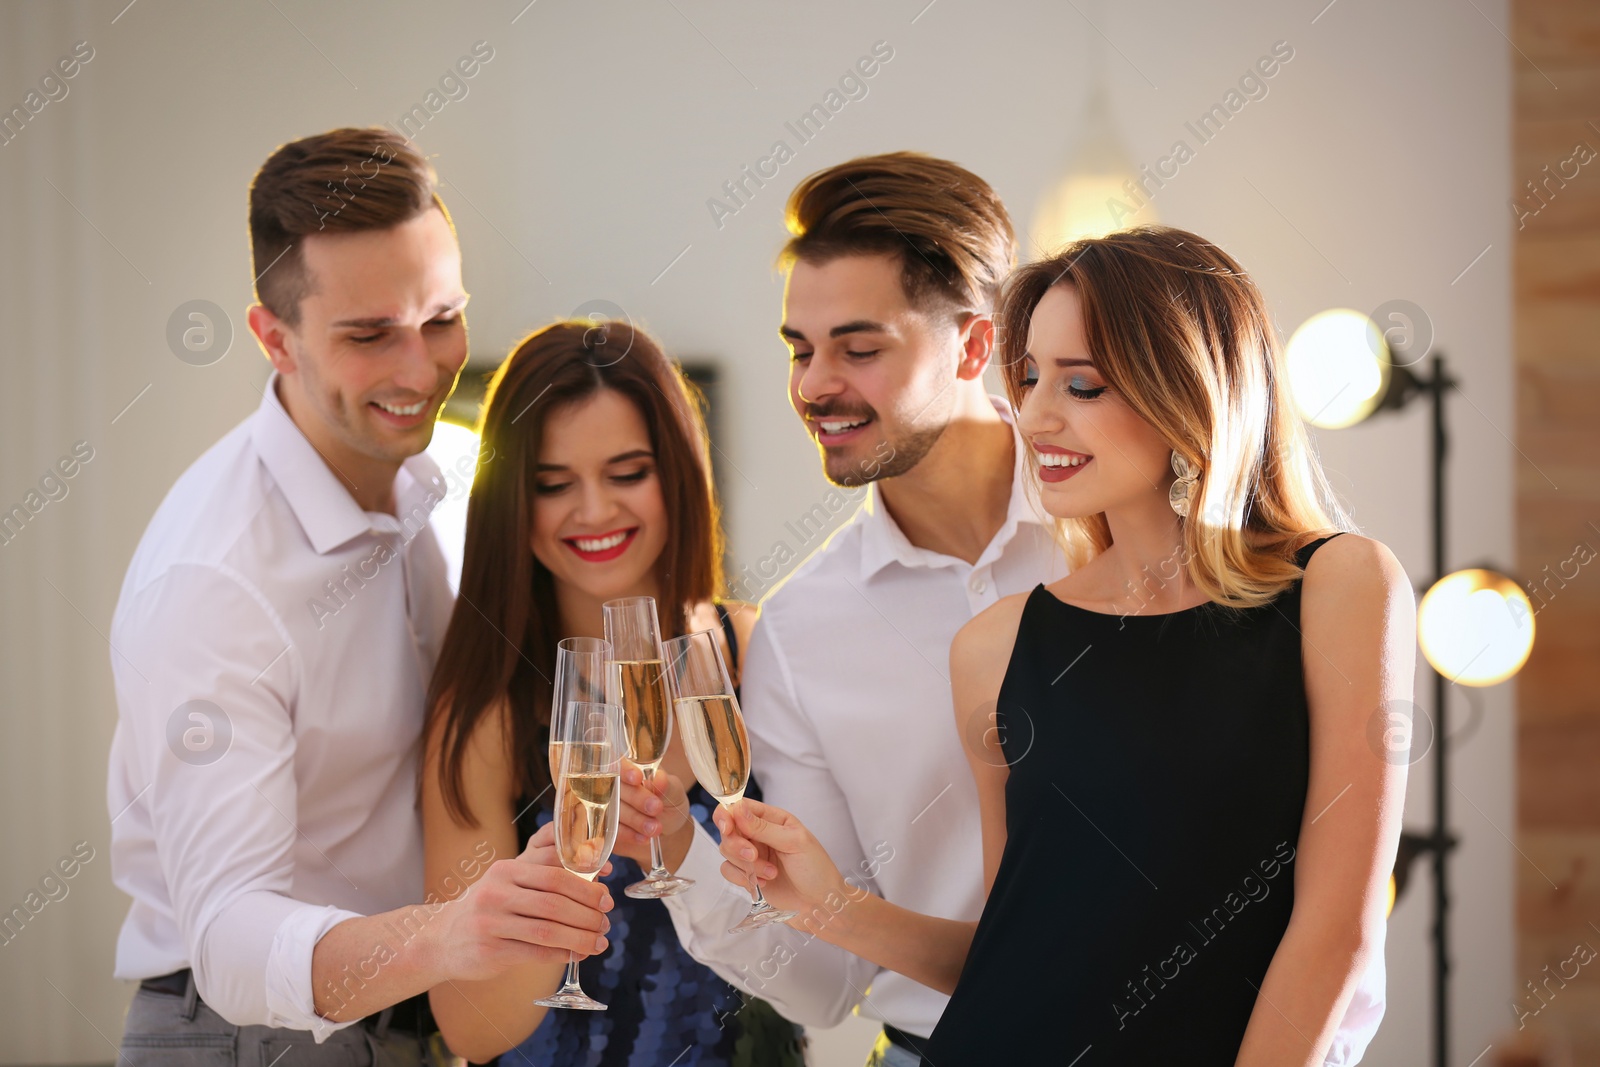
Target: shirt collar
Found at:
326, 511
883, 542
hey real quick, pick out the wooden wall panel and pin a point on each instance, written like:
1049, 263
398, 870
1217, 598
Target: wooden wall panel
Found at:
1557, 309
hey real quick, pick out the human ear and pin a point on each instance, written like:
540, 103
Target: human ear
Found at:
977, 345
272, 333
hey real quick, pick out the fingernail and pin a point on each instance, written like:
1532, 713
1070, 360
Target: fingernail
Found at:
599, 944
772, 872
605, 925
653, 806
748, 853
651, 826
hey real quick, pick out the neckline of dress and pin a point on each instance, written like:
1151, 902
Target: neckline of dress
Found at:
1117, 614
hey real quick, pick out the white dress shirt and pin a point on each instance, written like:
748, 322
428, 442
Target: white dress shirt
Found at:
847, 701
846, 696
271, 648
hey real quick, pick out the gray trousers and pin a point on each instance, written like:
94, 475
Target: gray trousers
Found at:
182, 1031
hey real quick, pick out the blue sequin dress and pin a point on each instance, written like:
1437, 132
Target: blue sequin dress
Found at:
663, 1009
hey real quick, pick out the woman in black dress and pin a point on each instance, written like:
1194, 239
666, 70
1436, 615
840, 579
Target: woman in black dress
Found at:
1187, 831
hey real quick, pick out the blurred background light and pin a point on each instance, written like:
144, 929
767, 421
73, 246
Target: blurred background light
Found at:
455, 449
1339, 368
1099, 191
1476, 627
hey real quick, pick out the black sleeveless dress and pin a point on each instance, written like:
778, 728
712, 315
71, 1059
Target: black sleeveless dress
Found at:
1157, 783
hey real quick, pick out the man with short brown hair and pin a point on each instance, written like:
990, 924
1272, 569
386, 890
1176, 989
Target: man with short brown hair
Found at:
894, 267
273, 643
893, 270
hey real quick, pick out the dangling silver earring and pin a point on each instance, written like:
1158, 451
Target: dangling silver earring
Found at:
1183, 488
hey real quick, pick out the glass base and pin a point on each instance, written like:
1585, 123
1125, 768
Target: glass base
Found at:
656, 888
760, 915
571, 997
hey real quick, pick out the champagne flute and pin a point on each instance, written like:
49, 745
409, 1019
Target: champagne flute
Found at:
714, 737
582, 675
588, 803
634, 631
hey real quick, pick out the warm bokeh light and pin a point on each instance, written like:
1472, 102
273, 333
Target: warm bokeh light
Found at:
1099, 192
455, 449
1338, 368
1085, 205
1476, 627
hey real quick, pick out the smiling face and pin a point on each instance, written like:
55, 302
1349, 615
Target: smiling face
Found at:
871, 376
599, 519
1094, 452
380, 340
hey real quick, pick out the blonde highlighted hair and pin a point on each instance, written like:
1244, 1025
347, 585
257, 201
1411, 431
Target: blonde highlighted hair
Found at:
1180, 332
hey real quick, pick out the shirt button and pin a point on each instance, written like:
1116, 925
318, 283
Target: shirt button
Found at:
979, 585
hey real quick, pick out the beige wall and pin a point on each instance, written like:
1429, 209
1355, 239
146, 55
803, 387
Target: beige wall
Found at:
578, 168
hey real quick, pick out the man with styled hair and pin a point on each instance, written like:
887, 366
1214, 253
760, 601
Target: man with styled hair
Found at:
263, 774
893, 270
869, 793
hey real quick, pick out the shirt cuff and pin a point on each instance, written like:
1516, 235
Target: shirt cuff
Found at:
291, 1003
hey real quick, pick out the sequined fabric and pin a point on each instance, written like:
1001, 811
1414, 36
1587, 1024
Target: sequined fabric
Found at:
663, 1008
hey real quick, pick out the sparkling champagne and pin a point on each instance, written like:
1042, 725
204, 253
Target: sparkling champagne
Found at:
718, 747
590, 754
642, 689
586, 821
596, 790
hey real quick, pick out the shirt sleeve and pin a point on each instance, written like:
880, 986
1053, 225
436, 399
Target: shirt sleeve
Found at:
805, 978
205, 679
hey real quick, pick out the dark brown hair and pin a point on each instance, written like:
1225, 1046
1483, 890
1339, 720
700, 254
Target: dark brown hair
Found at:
342, 181
949, 230
500, 645
1183, 336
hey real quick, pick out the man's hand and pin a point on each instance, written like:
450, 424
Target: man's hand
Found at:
657, 808
524, 910
794, 869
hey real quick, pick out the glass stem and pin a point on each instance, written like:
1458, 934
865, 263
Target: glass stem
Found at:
658, 867
571, 982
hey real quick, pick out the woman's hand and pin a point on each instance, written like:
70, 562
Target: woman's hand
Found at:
793, 867
657, 809
524, 910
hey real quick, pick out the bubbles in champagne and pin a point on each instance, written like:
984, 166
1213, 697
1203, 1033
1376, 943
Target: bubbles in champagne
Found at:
718, 747
586, 820
642, 691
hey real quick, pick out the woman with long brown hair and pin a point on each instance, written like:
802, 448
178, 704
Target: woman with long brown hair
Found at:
595, 485
1187, 835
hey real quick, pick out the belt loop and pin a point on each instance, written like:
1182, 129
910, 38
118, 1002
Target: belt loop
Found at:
380, 1029
191, 997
